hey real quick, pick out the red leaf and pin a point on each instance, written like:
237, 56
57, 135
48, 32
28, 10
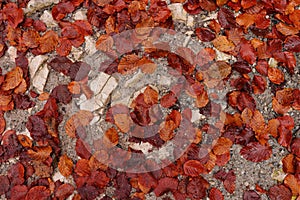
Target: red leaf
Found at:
275, 75
247, 52
295, 147
168, 100
248, 3
38, 192
229, 182
256, 152
64, 191
193, 168
13, 14
60, 10
164, 185
292, 43
251, 195
16, 174
226, 18
215, 194
262, 67
197, 187
279, 192
4, 184
18, 192
205, 35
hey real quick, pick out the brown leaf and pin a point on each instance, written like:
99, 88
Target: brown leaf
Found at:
229, 182
123, 122
102, 2
223, 44
245, 20
150, 96
22, 88
193, 168
215, 194
38, 192
147, 65
2, 123
13, 79
48, 42
247, 52
286, 29
256, 152
64, 191
111, 137
275, 75
293, 183
74, 87
128, 64
222, 146
31, 38
24, 140
40, 153
82, 167
13, 14
65, 165
279, 192
168, 100
273, 125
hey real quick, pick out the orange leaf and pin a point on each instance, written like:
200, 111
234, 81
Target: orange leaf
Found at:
147, 66
74, 87
245, 20
123, 122
293, 183
128, 64
82, 168
40, 153
65, 165
275, 75
31, 38
21, 89
202, 99
223, 44
48, 41
13, 79
273, 125
288, 164
222, 146
150, 96
112, 136
2, 123
286, 30
25, 141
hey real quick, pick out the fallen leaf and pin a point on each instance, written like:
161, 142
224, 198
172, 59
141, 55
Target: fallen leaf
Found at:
275, 75
193, 168
223, 44
12, 79
65, 165
256, 152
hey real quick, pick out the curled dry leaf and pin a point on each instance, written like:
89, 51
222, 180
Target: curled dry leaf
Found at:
12, 79
279, 192
123, 122
193, 168
168, 100
223, 44
222, 146
251, 195
2, 123
24, 140
215, 194
293, 183
256, 152
128, 64
48, 42
38, 192
65, 165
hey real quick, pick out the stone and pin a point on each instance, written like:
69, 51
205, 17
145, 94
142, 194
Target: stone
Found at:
40, 79
80, 14
37, 5
178, 13
196, 116
103, 96
47, 18
12, 53
90, 45
35, 63
91, 105
98, 83
190, 21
